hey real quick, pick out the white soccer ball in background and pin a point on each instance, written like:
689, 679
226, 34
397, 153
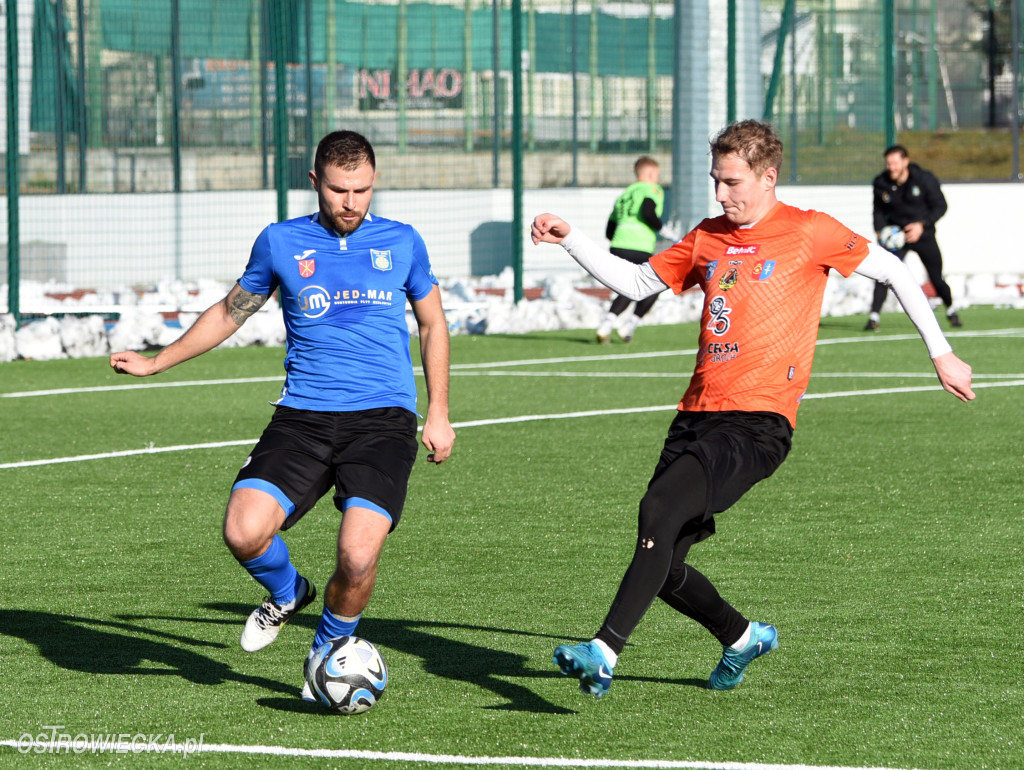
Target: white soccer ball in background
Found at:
347, 674
892, 238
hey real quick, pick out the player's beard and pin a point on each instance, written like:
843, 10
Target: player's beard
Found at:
343, 228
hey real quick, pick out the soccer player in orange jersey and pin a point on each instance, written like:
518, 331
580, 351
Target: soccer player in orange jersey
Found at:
762, 266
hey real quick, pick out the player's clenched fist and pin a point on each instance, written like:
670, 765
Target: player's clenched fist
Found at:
548, 228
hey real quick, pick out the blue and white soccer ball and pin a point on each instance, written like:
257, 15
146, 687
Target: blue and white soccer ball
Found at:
892, 238
347, 674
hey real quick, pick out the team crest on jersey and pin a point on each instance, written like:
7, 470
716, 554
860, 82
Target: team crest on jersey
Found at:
381, 260
728, 280
710, 271
763, 270
307, 267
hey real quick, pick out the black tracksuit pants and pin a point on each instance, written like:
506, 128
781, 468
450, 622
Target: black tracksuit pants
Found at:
927, 248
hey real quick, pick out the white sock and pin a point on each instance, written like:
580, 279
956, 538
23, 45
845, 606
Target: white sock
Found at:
743, 641
874, 317
610, 656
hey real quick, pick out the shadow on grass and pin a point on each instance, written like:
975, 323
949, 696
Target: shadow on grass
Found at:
442, 656
109, 647
125, 646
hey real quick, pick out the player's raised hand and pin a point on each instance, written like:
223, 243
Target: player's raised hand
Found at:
130, 362
955, 376
548, 228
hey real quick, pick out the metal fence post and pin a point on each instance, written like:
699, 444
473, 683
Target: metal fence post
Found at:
889, 70
517, 149
13, 181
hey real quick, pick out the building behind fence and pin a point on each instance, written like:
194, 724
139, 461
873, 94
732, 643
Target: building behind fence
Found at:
121, 97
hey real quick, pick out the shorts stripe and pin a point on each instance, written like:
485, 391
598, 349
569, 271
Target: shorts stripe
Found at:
362, 502
271, 489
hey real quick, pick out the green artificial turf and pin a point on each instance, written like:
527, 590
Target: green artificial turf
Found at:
886, 550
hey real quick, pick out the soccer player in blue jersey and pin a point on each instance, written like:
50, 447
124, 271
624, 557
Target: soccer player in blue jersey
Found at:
346, 417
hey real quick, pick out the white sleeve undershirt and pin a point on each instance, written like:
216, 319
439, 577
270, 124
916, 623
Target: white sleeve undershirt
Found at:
880, 265
639, 281
619, 275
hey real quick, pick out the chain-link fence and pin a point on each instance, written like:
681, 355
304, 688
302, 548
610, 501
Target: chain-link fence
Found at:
109, 98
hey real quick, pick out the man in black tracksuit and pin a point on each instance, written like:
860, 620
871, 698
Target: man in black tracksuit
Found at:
909, 197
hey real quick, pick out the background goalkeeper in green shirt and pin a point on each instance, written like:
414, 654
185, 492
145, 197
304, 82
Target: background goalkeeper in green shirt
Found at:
633, 229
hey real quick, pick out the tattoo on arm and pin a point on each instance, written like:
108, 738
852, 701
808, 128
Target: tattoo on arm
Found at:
244, 304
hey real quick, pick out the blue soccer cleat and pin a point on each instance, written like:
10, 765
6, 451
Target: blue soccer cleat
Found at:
587, 663
729, 671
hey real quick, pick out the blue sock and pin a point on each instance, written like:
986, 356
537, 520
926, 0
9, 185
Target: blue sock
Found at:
332, 626
274, 571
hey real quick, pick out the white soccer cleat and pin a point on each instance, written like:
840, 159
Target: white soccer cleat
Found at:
265, 622
628, 327
307, 693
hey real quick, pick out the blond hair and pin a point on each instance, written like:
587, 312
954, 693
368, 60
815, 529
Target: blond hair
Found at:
751, 140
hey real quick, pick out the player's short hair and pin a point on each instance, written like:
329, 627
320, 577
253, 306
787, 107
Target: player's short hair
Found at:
643, 162
751, 140
896, 149
345, 149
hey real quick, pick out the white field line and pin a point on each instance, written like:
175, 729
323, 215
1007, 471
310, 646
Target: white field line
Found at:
1007, 381
140, 386
681, 376
491, 421
520, 362
463, 373
403, 756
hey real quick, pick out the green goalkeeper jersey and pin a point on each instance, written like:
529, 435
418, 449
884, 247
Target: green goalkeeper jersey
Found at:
631, 232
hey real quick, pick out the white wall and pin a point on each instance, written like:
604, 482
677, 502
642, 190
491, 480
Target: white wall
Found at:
114, 240
975, 235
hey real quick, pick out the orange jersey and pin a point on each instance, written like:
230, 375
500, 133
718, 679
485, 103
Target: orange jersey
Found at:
763, 288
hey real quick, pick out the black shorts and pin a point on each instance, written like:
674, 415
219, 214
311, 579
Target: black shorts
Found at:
366, 456
736, 450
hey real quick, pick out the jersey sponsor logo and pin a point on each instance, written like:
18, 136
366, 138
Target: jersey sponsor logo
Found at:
763, 270
304, 254
307, 267
742, 251
915, 191
381, 260
710, 271
718, 323
852, 242
314, 301
729, 280
362, 296
718, 352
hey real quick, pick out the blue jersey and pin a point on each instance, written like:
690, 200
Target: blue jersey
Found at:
344, 309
